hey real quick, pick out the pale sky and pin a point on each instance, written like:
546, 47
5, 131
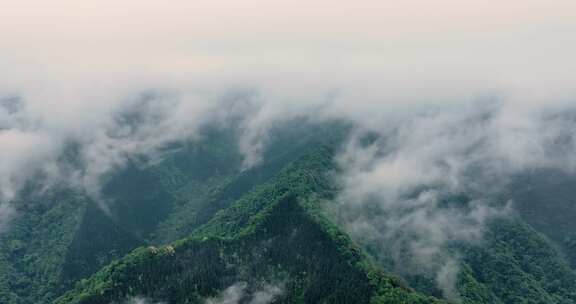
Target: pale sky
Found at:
427, 44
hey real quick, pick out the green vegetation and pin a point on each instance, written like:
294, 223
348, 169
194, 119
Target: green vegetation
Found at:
33, 251
518, 265
193, 224
268, 235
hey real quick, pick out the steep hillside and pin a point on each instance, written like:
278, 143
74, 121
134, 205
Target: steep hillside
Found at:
193, 227
547, 201
279, 234
519, 265
61, 236
274, 235
33, 251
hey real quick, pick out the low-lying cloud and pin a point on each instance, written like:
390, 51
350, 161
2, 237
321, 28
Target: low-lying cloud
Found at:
141, 300
419, 185
239, 293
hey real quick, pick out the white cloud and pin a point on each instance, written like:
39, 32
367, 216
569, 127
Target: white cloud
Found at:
141, 300
430, 179
238, 292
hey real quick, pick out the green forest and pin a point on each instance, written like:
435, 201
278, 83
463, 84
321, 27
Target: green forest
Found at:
194, 225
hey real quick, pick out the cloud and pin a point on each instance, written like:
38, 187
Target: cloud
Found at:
75, 131
418, 185
238, 293
74, 137
231, 295
6, 212
141, 300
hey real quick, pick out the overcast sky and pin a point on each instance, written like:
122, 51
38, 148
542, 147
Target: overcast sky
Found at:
413, 48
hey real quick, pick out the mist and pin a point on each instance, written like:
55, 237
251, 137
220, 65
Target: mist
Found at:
239, 293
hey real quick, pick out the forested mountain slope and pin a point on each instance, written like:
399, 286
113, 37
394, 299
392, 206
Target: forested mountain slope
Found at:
194, 227
62, 235
274, 235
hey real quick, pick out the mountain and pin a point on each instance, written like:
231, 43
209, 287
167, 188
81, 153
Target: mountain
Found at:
195, 227
274, 234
